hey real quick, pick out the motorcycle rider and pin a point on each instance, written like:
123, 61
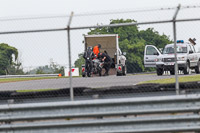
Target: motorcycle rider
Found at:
107, 62
88, 56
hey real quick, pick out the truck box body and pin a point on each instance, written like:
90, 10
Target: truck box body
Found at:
109, 43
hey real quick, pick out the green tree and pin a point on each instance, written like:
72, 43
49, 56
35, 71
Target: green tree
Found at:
15, 69
40, 70
133, 41
52, 68
6, 58
79, 62
56, 68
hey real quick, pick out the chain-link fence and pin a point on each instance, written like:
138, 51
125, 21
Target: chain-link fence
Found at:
134, 60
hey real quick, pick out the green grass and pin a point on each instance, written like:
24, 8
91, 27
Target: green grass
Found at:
5, 80
172, 80
37, 90
141, 74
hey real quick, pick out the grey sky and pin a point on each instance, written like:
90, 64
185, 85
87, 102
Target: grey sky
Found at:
49, 7
38, 49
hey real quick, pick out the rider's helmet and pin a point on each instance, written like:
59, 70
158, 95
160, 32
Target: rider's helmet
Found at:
99, 45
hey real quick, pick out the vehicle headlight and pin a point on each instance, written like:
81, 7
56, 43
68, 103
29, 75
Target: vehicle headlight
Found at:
181, 58
158, 60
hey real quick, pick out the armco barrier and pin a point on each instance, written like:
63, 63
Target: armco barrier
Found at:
130, 115
28, 76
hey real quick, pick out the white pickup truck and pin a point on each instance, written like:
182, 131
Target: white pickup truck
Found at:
187, 58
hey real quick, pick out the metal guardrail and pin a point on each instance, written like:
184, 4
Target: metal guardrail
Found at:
130, 115
26, 76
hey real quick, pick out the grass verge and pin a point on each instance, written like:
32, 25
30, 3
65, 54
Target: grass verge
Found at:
5, 80
172, 80
37, 90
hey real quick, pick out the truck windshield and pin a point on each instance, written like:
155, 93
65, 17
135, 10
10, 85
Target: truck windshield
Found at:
170, 50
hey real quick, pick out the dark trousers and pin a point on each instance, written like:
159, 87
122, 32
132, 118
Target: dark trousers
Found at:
88, 65
107, 66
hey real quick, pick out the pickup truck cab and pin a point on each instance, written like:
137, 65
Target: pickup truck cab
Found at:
187, 58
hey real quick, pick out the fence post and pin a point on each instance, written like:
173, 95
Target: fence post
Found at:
175, 50
69, 54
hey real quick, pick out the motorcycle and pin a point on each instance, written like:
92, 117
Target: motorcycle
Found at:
97, 66
92, 67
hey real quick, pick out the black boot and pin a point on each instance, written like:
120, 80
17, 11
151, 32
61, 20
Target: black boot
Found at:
105, 74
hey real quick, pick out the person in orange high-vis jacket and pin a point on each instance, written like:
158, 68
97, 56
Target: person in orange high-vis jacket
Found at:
96, 49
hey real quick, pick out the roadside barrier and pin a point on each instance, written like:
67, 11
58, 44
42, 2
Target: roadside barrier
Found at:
32, 75
125, 115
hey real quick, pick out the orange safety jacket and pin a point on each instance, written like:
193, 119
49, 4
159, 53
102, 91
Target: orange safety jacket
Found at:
96, 50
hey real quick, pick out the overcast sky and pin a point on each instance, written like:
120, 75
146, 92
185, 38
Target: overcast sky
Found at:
49, 7
38, 49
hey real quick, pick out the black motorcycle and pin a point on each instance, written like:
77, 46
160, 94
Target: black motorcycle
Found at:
97, 66
92, 67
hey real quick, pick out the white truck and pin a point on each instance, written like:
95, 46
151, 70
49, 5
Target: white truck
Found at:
187, 57
109, 43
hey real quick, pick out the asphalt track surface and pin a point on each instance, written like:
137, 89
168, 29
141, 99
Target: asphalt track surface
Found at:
93, 82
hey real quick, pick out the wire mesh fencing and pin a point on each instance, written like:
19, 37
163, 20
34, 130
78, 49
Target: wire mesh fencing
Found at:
132, 59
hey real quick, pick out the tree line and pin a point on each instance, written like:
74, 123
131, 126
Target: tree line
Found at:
8, 65
132, 41
11, 65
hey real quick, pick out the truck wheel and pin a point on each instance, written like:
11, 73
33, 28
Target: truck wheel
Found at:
119, 74
197, 68
186, 69
159, 71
